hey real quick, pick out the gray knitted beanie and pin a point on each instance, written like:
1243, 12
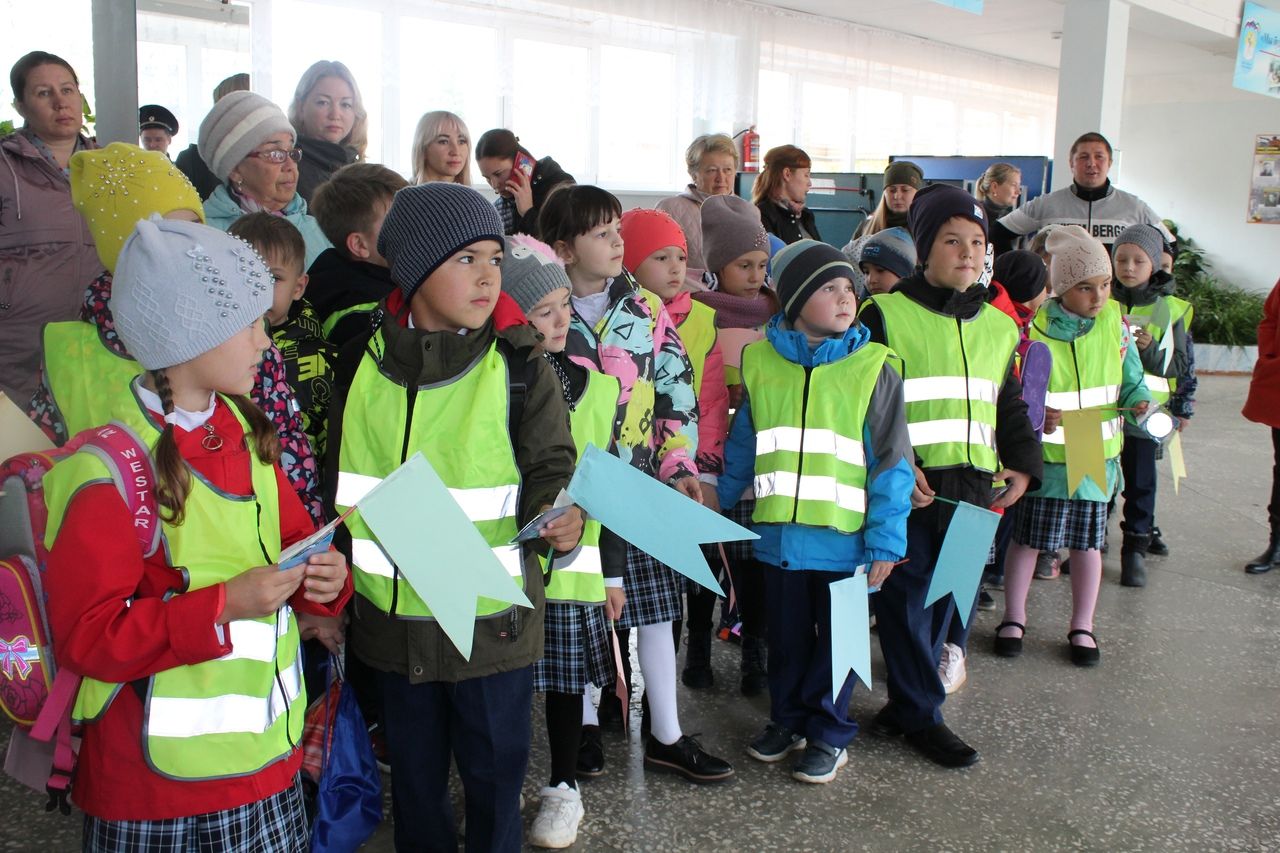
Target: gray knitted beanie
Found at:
429, 222
236, 125
182, 288
531, 270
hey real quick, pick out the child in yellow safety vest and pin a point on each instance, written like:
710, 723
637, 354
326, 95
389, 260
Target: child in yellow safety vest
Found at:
1160, 324
204, 753
656, 253
584, 587
1095, 366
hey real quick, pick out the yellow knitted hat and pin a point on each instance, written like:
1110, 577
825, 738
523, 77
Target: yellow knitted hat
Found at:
116, 186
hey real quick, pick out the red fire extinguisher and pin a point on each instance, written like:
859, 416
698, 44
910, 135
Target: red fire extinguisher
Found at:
750, 150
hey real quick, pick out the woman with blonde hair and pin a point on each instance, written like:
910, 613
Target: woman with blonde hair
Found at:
780, 192
332, 125
998, 189
712, 161
441, 149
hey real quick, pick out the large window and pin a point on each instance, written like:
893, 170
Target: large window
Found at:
614, 91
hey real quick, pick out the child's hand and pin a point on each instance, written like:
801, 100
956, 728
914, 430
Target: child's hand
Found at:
689, 487
259, 592
326, 576
1142, 338
921, 493
562, 533
1182, 423
1140, 409
1052, 418
879, 573
615, 598
329, 630
710, 499
521, 191
1018, 484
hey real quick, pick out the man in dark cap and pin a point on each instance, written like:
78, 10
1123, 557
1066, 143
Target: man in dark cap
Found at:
156, 127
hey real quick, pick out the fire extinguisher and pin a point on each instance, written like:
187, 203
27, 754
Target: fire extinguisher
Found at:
750, 150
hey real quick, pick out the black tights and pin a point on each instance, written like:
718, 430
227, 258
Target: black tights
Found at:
564, 731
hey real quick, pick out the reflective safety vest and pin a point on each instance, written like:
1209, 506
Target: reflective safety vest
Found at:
383, 425
698, 332
84, 375
1087, 373
326, 328
952, 370
811, 466
578, 577
1161, 387
237, 714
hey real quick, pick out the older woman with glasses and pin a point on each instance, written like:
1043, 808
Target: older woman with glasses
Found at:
249, 145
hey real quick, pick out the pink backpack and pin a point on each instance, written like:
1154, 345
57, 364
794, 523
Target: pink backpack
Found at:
36, 693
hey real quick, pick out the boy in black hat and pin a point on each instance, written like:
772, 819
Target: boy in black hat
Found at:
968, 428
156, 128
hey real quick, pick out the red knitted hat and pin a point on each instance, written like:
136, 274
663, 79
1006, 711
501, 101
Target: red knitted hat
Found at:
645, 232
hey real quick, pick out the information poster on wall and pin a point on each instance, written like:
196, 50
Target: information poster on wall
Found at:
1264, 185
1258, 54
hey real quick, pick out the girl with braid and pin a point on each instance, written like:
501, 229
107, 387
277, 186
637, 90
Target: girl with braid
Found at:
192, 693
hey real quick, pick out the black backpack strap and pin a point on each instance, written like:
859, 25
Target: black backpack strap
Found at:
520, 376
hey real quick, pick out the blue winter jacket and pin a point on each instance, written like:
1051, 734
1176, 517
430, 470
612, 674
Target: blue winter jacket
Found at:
889, 471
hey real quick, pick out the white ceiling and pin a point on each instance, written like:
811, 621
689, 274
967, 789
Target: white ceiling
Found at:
1028, 30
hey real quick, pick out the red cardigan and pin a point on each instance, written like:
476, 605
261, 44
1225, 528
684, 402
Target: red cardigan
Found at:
91, 574
1263, 403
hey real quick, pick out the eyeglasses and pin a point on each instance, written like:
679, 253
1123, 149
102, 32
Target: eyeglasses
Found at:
278, 155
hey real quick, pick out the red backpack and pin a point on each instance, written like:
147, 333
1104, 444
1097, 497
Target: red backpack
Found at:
34, 691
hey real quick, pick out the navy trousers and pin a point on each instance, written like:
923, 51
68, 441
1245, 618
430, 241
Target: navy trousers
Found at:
484, 724
798, 603
1138, 461
911, 635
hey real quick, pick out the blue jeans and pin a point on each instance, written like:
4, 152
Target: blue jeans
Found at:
798, 603
482, 723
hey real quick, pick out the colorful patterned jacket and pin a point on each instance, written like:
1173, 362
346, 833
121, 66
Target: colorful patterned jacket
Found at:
636, 341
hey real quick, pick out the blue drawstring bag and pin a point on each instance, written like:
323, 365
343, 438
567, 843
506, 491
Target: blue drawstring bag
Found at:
349, 801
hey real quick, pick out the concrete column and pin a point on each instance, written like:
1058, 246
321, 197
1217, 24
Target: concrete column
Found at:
115, 71
1095, 37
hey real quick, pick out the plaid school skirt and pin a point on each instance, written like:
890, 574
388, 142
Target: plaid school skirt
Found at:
653, 591
1052, 523
577, 651
277, 824
737, 553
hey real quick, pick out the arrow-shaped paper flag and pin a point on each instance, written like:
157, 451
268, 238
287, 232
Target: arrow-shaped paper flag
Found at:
962, 557
850, 632
652, 516
437, 548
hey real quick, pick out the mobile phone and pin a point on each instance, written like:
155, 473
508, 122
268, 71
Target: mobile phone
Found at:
524, 164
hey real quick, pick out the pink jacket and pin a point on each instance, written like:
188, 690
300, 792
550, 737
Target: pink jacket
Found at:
47, 257
713, 401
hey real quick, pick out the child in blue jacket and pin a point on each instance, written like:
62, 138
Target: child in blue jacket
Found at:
822, 434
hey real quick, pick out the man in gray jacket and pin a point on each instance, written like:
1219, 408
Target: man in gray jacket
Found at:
1090, 202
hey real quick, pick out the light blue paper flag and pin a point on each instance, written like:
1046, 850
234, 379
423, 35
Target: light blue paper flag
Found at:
652, 516
850, 632
963, 556
437, 548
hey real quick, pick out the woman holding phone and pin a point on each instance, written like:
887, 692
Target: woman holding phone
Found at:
521, 182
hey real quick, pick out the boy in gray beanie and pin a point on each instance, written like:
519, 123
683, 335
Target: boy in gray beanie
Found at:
435, 376
887, 257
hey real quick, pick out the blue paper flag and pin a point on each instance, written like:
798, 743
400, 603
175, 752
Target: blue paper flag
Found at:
438, 549
850, 632
963, 557
652, 516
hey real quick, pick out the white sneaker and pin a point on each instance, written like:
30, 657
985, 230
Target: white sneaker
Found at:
951, 668
556, 825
